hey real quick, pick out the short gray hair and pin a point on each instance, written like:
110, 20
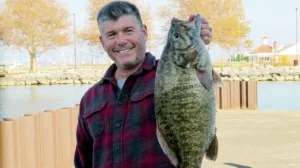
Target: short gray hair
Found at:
115, 9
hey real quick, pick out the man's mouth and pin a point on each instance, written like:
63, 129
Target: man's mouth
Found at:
124, 50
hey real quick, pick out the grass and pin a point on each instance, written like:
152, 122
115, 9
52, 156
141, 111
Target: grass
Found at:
232, 64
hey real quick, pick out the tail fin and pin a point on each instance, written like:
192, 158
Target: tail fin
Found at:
217, 81
212, 151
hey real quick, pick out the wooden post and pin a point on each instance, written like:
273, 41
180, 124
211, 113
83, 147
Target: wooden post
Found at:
62, 137
29, 149
252, 95
225, 95
6, 145
66, 140
74, 121
237, 95
55, 129
44, 125
218, 98
243, 94
18, 141
234, 94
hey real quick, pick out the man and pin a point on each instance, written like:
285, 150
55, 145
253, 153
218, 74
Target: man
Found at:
116, 125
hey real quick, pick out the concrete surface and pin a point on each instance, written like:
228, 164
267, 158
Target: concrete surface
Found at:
257, 139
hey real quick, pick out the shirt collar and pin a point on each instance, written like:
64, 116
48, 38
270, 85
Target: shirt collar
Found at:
148, 64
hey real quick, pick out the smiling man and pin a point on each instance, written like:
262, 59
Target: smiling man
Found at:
116, 123
124, 40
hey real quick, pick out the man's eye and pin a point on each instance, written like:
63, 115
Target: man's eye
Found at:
129, 30
111, 35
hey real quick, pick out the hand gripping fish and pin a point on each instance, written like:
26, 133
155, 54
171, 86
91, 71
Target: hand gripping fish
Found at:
185, 103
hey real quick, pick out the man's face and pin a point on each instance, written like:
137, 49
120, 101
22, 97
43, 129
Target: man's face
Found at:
125, 41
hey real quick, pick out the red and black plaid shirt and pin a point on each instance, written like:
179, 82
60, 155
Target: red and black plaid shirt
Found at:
117, 128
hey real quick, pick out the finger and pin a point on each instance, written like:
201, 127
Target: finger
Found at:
205, 39
191, 17
205, 32
205, 26
204, 20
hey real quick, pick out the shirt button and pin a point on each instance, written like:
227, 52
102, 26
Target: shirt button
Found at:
118, 125
119, 102
117, 147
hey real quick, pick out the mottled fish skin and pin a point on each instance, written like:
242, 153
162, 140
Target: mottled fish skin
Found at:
184, 96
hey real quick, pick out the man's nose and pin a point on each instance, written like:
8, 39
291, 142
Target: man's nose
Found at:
121, 39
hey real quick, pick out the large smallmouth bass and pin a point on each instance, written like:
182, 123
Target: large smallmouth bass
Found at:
185, 102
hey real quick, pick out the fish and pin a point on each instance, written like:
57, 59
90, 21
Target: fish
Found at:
184, 97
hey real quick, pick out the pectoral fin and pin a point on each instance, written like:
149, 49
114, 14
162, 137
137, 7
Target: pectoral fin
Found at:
205, 79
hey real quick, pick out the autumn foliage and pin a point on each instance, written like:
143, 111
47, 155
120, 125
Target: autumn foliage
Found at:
41, 25
34, 25
226, 17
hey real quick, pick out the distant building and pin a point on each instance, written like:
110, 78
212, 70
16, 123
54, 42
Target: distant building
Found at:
278, 56
291, 50
288, 54
264, 52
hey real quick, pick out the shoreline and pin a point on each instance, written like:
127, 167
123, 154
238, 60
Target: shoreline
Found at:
92, 75
44, 81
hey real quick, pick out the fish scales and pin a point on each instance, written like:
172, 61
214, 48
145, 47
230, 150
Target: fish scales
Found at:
185, 105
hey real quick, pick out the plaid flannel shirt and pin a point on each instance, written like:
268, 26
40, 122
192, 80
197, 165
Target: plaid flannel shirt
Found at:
117, 128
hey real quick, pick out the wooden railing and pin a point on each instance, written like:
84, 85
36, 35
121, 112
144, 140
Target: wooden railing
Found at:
237, 95
48, 139
43, 140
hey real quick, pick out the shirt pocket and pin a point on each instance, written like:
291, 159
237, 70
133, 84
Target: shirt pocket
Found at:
94, 119
142, 107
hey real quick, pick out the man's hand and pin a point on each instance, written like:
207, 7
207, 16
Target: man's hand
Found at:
206, 30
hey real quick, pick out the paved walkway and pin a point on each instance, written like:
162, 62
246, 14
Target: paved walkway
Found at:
257, 139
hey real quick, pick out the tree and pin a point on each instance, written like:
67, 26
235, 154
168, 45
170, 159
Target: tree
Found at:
248, 44
91, 33
1, 39
238, 58
246, 58
34, 25
1, 35
226, 18
242, 57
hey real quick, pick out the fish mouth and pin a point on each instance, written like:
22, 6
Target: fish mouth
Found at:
189, 47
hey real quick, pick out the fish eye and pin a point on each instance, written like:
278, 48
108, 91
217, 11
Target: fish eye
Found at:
176, 35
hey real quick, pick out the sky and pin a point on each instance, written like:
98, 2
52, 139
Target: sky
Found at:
275, 19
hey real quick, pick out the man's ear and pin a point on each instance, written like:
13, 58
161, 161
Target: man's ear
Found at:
102, 42
145, 31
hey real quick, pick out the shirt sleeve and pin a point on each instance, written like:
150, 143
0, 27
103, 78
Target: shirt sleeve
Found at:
84, 147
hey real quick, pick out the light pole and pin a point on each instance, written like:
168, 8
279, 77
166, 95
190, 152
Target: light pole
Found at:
296, 60
74, 39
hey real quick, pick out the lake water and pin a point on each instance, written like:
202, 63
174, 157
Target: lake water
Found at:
278, 95
16, 101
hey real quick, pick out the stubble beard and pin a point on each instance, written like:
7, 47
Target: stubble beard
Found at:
132, 65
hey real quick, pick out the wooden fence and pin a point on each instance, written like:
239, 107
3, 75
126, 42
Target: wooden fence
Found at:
48, 139
43, 140
237, 95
